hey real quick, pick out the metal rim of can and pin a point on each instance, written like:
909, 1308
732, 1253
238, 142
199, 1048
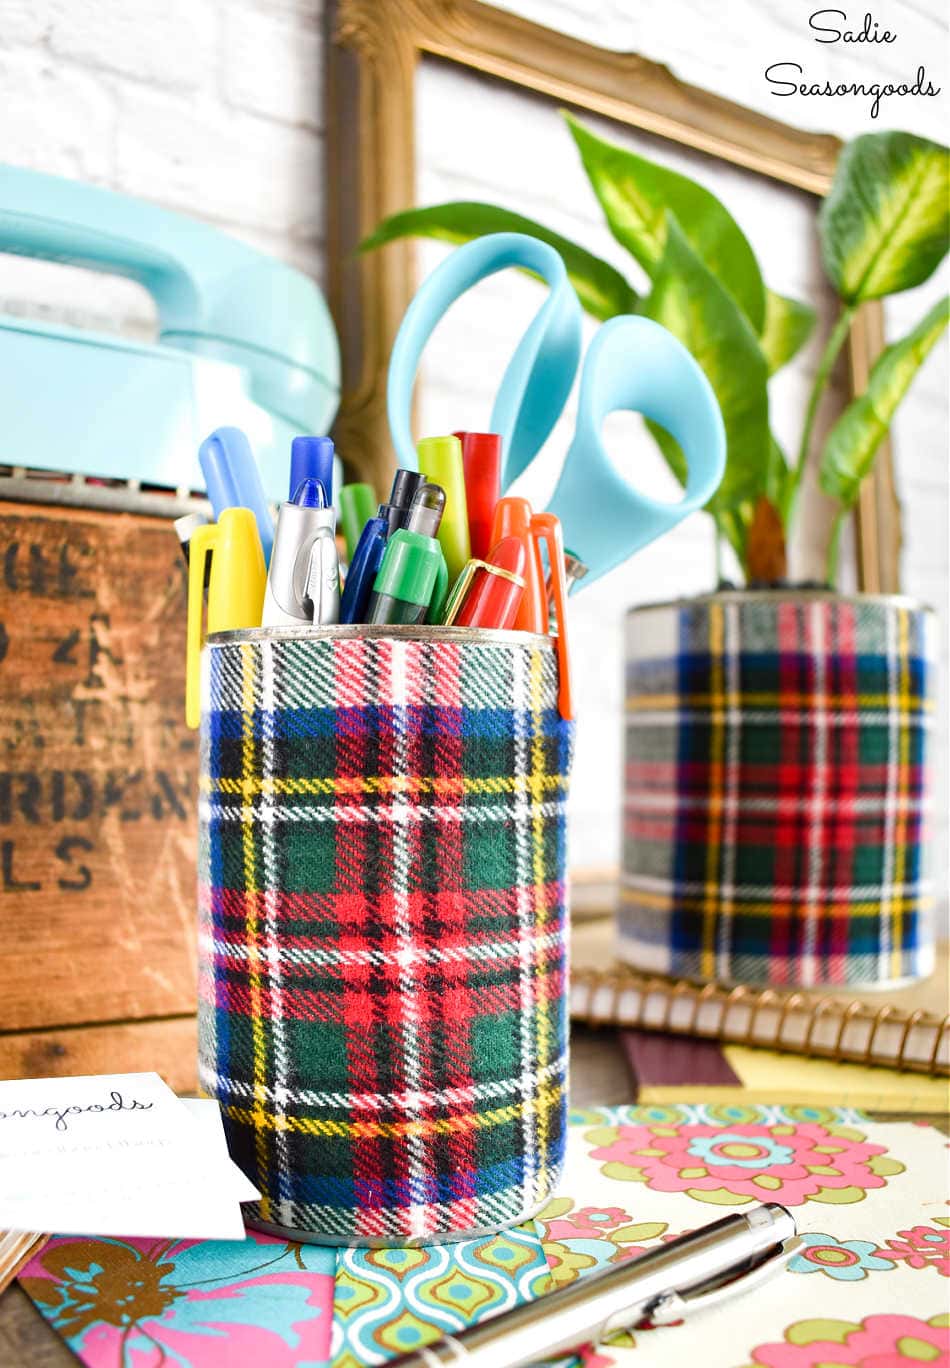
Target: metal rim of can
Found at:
476, 636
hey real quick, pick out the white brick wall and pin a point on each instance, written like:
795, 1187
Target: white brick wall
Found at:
210, 108
213, 107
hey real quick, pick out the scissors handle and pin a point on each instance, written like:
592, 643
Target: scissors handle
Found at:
541, 372
637, 365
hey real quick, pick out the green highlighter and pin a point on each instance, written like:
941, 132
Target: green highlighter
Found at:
413, 580
358, 504
441, 459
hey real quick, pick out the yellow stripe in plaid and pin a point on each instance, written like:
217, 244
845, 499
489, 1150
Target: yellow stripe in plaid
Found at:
699, 902
537, 794
544, 1099
647, 702
716, 748
903, 770
248, 766
535, 784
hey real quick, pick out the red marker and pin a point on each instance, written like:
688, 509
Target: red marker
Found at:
513, 519
489, 592
481, 462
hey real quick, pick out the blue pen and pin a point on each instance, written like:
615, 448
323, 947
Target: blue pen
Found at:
363, 570
233, 480
311, 458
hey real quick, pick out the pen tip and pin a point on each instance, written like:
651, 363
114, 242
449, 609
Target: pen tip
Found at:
430, 496
310, 494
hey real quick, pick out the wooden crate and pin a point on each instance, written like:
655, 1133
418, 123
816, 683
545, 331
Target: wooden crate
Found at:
97, 797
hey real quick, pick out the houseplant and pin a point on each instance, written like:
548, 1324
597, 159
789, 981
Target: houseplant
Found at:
776, 740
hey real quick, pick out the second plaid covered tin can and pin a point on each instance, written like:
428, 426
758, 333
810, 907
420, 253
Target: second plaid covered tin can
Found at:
776, 795
382, 922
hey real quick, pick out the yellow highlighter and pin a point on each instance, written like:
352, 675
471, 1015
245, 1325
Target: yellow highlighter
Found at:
235, 591
441, 459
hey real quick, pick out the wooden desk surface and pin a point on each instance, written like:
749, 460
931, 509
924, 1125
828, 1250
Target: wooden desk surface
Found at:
598, 1077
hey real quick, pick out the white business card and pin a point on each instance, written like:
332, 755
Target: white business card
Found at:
117, 1154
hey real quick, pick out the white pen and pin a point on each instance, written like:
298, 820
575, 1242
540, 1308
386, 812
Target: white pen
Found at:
303, 579
701, 1269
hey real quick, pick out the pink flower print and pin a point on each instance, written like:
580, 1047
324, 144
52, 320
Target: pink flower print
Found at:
746, 1162
877, 1342
561, 1222
587, 1221
921, 1247
595, 1220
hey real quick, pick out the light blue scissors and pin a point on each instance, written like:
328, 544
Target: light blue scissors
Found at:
632, 364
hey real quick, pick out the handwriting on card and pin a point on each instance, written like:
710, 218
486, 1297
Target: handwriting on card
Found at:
116, 1103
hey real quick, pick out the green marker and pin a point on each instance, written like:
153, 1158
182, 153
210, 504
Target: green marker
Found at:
357, 506
412, 581
441, 459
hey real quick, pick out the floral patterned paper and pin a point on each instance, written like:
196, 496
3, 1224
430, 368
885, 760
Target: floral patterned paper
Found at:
869, 1286
138, 1303
870, 1283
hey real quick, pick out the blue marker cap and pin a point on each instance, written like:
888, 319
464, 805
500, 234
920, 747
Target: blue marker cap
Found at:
310, 493
311, 458
233, 480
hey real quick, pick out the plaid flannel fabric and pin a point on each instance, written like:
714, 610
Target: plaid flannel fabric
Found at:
382, 1009
776, 790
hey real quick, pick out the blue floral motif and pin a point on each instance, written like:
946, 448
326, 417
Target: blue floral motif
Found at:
733, 1151
844, 1260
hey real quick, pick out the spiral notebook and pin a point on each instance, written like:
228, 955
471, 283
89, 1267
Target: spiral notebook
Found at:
905, 1028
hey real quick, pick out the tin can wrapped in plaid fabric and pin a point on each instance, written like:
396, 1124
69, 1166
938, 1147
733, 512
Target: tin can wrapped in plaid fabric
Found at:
776, 789
382, 926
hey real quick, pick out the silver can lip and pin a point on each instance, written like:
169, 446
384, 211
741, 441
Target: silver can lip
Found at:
789, 595
474, 636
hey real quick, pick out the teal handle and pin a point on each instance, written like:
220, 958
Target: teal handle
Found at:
541, 372
215, 296
633, 364
637, 365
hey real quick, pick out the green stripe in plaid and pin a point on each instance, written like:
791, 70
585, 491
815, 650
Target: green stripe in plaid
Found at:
776, 790
382, 930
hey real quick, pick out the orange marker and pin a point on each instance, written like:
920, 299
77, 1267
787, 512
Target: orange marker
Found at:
513, 519
547, 527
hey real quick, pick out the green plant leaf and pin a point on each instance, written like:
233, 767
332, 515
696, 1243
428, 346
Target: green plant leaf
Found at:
601, 288
689, 300
883, 226
731, 523
778, 477
635, 194
788, 325
853, 441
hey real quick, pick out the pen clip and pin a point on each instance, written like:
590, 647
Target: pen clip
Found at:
460, 590
320, 590
672, 1306
201, 546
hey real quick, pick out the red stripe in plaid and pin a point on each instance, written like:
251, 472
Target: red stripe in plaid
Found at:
353, 741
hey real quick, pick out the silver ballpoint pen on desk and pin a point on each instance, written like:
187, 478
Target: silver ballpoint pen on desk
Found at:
701, 1269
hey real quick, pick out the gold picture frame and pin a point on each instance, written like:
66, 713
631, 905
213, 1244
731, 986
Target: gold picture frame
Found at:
374, 48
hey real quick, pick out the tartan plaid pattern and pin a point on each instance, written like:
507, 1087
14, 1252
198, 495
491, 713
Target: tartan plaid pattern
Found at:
776, 790
382, 988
